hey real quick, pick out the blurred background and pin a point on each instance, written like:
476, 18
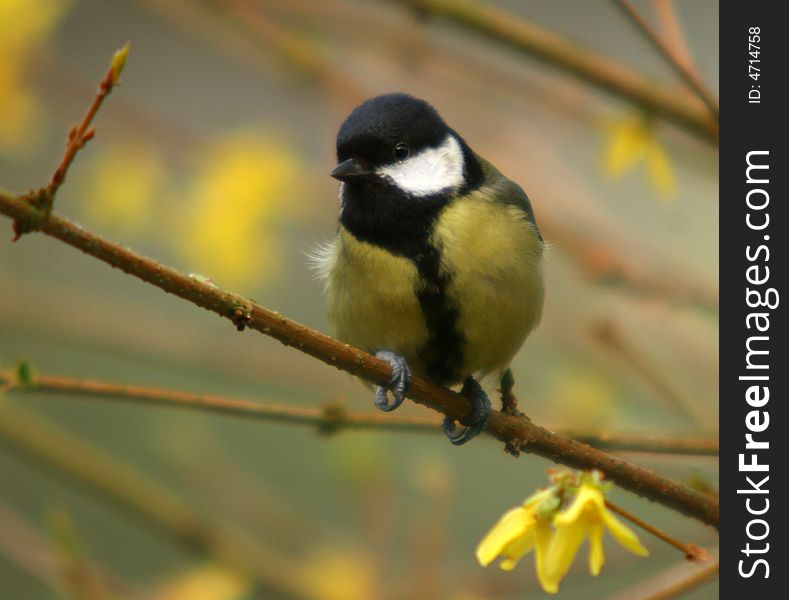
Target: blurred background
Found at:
213, 157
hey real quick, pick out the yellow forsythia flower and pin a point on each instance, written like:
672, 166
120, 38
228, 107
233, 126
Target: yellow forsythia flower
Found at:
206, 582
241, 200
587, 516
632, 141
25, 25
556, 535
122, 185
339, 574
520, 531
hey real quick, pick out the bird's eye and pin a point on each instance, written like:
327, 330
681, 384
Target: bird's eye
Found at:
401, 152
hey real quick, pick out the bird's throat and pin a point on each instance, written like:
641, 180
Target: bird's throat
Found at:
378, 213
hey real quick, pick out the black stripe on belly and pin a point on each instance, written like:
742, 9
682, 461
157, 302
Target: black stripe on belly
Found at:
442, 354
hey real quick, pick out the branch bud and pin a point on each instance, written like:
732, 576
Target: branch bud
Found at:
119, 61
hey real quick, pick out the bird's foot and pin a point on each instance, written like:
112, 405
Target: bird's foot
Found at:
398, 382
480, 413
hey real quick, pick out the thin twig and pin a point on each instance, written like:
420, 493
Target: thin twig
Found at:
81, 135
681, 586
608, 334
128, 488
655, 444
24, 547
604, 261
691, 551
244, 313
689, 76
298, 49
671, 28
331, 418
65, 571
592, 67
672, 582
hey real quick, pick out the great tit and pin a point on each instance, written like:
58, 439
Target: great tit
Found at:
437, 263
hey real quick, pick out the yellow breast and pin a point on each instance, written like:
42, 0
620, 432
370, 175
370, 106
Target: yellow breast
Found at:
494, 256
371, 298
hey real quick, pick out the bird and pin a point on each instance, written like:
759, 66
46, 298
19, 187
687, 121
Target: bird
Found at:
437, 263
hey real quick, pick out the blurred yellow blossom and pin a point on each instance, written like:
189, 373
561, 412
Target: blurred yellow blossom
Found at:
587, 516
583, 395
340, 574
361, 460
521, 530
24, 26
632, 140
206, 582
123, 183
244, 192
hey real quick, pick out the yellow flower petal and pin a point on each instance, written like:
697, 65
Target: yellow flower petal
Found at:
587, 495
596, 555
542, 536
564, 546
516, 549
626, 147
512, 525
623, 534
660, 173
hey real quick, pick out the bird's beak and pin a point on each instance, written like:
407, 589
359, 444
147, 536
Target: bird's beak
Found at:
348, 169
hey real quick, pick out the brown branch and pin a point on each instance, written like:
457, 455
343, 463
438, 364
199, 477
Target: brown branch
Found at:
65, 571
132, 491
80, 135
24, 547
604, 260
77, 138
671, 28
608, 334
592, 67
691, 551
330, 418
527, 436
689, 76
301, 52
655, 444
672, 582
680, 586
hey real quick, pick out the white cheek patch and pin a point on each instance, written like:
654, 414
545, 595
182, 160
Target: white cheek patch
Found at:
430, 171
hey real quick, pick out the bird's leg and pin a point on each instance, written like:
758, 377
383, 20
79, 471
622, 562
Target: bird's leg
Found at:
398, 383
480, 413
509, 403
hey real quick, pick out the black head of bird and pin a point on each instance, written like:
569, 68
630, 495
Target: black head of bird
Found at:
400, 163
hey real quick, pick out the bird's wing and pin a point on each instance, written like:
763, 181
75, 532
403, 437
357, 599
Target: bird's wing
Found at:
498, 188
